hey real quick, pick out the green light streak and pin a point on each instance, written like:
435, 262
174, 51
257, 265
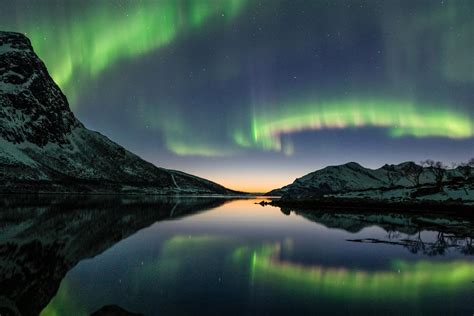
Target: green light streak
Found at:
177, 254
63, 302
180, 148
407, 280
399, 118
446, 31
265, 127
182, 138
86, 44
181, 244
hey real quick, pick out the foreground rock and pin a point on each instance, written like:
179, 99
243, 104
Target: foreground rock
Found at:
406, 182
114, 310
44, 148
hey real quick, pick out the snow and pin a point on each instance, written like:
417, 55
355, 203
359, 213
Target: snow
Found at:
7, 48
15, 88
14, 153
174, 182
390, 182
463, 193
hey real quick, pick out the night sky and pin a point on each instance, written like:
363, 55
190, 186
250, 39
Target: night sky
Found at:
253, 94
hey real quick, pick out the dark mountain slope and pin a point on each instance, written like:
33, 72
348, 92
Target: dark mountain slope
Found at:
44, 148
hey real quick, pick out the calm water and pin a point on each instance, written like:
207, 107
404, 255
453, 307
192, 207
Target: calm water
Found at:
218, 256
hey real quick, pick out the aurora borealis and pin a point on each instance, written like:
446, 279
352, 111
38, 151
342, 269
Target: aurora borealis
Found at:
90, 42
401, 119
253, 94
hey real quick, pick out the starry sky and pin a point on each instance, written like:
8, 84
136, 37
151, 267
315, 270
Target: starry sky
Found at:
253, 94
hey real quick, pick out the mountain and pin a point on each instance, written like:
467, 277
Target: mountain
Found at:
45, 148
405, 181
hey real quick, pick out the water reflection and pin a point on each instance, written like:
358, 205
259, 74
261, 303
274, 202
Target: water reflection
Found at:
453, 233
41, 239
401, 279
73, 256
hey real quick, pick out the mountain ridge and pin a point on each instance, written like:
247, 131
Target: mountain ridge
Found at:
44, 148
402, 182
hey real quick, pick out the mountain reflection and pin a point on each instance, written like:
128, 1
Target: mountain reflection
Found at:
238, 258
406, 230
259, 274
41, 239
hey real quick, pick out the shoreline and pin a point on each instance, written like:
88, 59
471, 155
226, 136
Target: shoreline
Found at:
425, 208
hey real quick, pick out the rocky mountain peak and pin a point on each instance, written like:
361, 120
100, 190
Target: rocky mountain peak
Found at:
353, 165
44, 148
33, 108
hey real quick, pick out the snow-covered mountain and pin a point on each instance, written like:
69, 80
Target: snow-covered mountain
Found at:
405, 181
44, 148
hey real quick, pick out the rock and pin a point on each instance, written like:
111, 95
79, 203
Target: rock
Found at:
113, 310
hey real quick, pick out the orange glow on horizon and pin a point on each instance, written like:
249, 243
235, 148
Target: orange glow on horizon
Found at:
261, 179
262, 185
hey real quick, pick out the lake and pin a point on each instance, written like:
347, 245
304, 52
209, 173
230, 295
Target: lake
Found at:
222, 256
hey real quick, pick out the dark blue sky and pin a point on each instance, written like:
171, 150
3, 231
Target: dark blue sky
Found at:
253, 94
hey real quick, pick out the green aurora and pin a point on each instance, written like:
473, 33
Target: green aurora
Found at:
371, 65
92, 41
399, 118
267, 127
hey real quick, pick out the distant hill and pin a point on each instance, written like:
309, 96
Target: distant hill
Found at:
45, 148
402, 182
